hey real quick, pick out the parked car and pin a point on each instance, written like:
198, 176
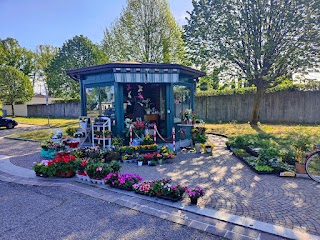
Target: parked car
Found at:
7, 122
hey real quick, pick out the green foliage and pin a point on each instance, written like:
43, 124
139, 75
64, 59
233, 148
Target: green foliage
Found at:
246, 36
77, 52
14, 86
12, 54
44, 55
147, 140
70, 131
264, 168
239, 152
227, 91
145, 31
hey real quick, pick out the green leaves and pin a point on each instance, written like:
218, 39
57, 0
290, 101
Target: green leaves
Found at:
146, 31
14, 86
258, 40
77, 52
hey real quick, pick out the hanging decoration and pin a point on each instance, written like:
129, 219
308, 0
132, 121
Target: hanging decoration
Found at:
140, 88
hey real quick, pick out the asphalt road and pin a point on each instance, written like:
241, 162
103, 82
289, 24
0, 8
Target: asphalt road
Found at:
32, 212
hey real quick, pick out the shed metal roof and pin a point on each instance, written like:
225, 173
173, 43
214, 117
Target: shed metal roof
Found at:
127, 67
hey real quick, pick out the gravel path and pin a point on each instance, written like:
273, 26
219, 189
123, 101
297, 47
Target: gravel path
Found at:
30, 212
233, 187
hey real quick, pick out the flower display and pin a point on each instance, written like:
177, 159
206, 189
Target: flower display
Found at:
195, 192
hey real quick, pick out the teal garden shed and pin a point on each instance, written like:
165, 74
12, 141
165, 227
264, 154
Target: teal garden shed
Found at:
156, 92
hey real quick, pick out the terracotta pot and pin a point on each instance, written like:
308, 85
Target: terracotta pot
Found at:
301, 168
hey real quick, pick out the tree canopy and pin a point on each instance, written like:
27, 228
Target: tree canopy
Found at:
260, 40
77, 52
44, 55
12, 54
15, 86
146, 31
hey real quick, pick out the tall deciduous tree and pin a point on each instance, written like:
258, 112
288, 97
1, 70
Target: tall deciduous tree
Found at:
146, 31
44, 56
77, 52
15, 86
12, 54
261, 39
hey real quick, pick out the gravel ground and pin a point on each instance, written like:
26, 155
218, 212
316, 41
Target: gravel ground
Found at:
30, 212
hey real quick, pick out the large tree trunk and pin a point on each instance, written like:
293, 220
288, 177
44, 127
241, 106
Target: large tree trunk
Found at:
12, 108
257, 104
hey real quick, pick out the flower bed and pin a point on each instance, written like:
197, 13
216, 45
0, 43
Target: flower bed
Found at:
262, 153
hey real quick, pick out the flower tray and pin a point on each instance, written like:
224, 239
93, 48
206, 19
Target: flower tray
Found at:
68, 174
97, 181
148, 151
42, 175
172, 199
125, 188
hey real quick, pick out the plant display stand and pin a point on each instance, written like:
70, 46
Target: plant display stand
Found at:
104, 141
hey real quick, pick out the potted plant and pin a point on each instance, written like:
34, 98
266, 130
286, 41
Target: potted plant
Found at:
65, 165
42, 169
173, 192
301, 146
194, 194
70, 131
158, 157
117, 142
107, 133
208, 147
140, 160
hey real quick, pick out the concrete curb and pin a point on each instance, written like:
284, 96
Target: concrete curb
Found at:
22, 139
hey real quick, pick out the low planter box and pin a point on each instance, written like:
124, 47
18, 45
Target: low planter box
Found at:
68, 174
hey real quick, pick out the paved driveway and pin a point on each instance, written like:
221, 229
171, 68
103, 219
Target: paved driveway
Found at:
14, 147
18, 129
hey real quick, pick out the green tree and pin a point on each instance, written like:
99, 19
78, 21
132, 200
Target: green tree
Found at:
260, 40
44, 55
14, 86
146, 31
77, 52
12, 54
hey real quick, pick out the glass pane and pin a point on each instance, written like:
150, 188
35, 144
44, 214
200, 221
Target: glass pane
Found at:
107, 102
181, 101
93, 103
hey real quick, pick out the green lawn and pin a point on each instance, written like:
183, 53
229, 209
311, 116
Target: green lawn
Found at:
54, 122
41, 135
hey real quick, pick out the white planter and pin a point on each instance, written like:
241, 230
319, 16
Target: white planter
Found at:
198, 147
140, 163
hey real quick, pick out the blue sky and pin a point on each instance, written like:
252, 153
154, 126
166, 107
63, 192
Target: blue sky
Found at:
35, 22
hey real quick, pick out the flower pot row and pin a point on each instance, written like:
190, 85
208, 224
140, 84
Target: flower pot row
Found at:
158, 188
